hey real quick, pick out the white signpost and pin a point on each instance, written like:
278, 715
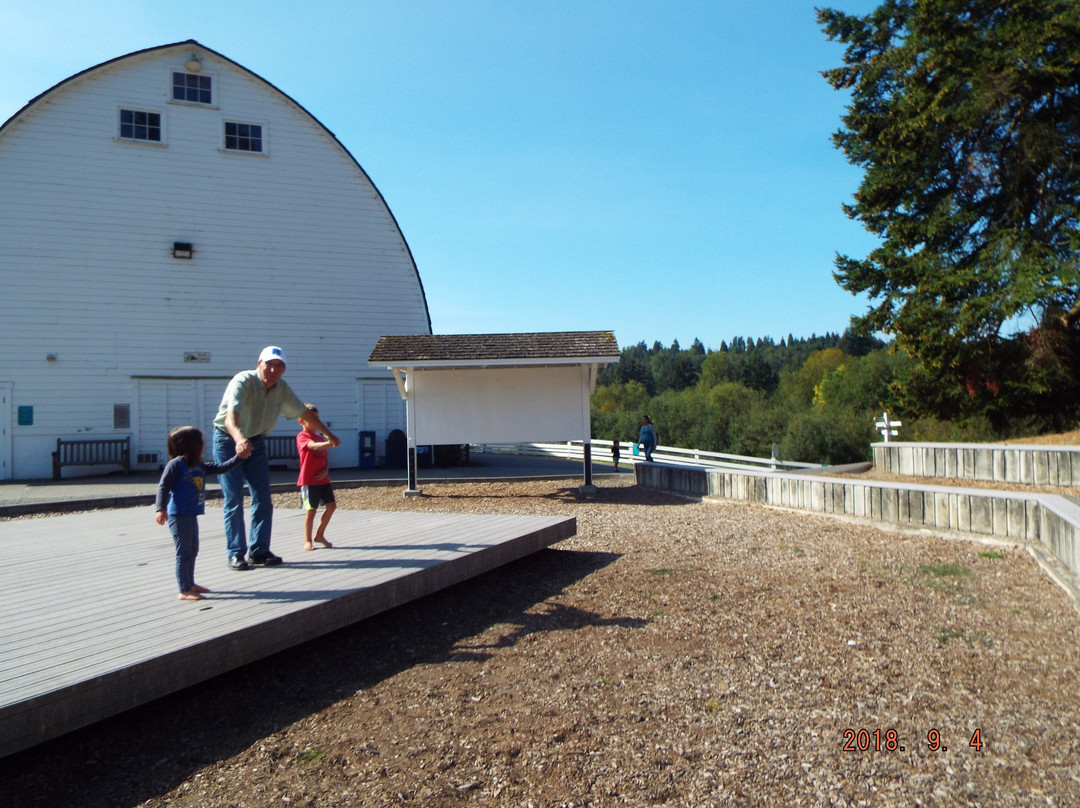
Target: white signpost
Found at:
887, 427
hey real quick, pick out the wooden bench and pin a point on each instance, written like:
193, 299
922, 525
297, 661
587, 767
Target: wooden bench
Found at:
281, 447
91, 452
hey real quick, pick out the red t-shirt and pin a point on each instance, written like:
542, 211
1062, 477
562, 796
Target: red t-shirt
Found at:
312, 461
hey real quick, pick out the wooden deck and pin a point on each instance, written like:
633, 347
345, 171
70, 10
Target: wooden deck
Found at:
92, 625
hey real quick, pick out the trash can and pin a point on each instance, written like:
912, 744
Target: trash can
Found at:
396, 449
425, 457
367, 450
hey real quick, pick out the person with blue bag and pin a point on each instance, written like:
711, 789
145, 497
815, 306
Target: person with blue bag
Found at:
647, 438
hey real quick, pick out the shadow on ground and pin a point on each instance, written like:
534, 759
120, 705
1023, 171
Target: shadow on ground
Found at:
131, 758
616, 495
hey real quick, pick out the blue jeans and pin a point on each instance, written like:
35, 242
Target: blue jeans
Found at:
255, 469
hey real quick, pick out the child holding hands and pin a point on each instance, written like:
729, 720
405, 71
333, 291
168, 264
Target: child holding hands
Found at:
314, 481
181, 498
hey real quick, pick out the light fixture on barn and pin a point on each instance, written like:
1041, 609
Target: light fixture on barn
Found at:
193, 65
182, 249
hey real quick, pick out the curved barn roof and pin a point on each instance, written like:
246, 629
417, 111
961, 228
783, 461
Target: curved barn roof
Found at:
195, 45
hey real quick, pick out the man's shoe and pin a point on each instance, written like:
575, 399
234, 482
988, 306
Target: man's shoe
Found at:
264, 559
238, 563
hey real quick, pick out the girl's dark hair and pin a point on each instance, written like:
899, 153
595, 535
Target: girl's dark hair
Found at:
186, 442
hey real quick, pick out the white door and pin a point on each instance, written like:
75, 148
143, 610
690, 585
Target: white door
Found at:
161, 405
210, 394
5, 430
381, 410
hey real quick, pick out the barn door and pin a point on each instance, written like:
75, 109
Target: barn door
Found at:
381, 410
161, 404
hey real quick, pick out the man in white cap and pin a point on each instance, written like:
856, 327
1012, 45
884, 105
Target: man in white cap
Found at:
252, 403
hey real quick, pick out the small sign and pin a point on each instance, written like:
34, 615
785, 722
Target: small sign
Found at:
887, 427
197, 357
26, 415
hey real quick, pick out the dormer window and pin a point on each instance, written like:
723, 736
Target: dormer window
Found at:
191, 88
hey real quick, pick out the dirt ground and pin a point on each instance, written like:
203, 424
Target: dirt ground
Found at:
673, 653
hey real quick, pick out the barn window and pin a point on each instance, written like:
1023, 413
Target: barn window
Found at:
246, 137
191, 88
135, 124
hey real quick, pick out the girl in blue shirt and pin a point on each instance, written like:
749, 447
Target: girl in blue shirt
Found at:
181, 497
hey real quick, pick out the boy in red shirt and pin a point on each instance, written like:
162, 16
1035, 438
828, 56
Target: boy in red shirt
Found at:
314, 482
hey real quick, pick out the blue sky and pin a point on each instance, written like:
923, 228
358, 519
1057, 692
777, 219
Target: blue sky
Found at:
662, 169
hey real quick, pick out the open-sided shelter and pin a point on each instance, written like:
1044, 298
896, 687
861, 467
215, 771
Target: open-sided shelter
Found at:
496, 388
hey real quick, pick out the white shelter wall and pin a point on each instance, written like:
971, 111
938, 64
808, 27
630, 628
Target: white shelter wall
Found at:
498, 405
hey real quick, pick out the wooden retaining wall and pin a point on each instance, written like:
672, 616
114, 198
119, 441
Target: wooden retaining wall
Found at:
1045, 522
1025, 464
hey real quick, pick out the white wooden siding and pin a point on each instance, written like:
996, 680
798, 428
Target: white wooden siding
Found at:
294, 248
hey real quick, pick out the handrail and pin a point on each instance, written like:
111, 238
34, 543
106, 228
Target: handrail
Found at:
601, 450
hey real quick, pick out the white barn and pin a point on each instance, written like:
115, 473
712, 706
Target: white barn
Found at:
163, 216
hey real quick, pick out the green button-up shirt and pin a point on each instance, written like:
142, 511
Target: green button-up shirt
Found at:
256, 407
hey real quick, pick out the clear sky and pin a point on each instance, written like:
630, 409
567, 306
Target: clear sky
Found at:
663, 169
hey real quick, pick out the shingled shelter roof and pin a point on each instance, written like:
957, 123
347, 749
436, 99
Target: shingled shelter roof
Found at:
558, 347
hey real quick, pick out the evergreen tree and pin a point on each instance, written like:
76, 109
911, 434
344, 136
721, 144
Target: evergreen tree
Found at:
965, 118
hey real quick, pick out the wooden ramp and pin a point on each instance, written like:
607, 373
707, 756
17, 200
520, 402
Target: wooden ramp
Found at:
92, 625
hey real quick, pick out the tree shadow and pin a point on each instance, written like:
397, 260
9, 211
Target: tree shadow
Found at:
130, 758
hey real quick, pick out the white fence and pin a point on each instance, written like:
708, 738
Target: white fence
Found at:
601, 453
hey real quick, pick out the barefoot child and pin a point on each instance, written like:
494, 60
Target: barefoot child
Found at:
180, 499
314, 482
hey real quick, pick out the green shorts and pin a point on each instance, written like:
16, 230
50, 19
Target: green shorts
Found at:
316, 495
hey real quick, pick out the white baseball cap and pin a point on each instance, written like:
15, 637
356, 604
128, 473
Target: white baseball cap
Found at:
272, 352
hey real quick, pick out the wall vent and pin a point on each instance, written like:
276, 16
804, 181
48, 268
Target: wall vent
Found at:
121, 416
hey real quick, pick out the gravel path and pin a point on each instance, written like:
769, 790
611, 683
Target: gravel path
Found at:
673, 653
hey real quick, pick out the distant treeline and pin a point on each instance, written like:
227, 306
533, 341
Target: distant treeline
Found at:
817, 398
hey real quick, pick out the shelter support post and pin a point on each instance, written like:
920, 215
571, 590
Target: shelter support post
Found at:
411, 463
409, 390
588, 385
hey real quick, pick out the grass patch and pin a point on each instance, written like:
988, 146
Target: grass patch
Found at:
945, 570
947, 579
991, 554
310, 754
662, 572
946, 633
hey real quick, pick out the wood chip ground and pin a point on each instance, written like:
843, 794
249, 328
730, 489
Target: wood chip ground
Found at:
673, 653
